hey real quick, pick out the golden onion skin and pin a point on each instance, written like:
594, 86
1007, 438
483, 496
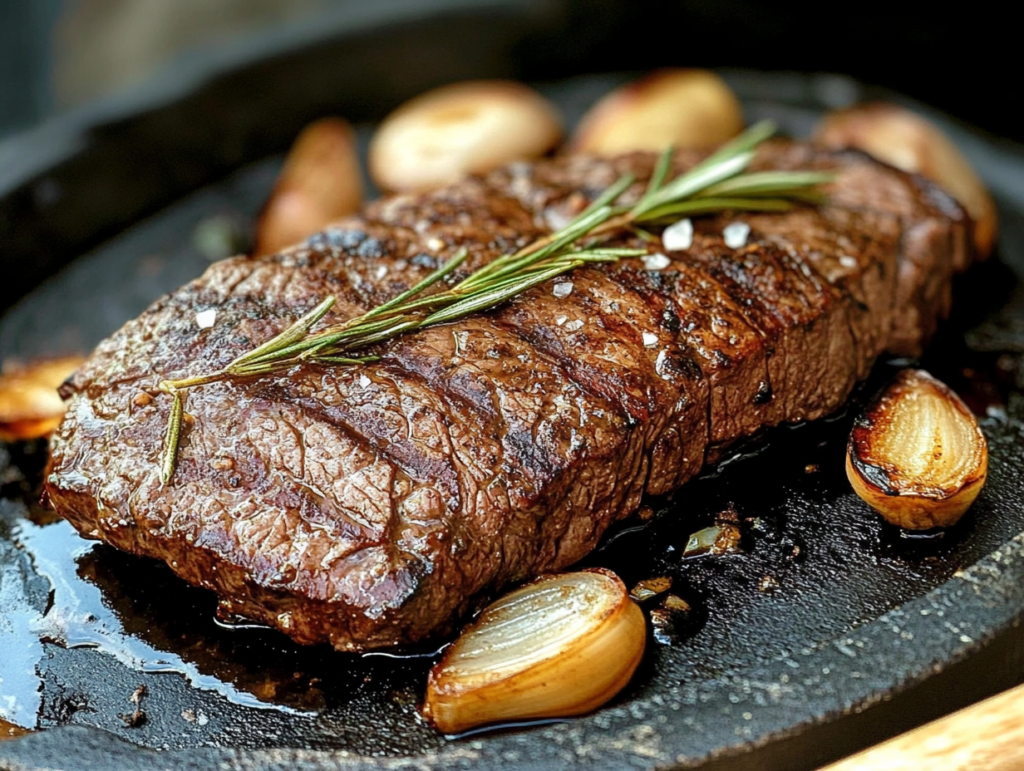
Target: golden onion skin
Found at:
30, 404
319, 183
916, 454
463, 128
684, 108
562, 645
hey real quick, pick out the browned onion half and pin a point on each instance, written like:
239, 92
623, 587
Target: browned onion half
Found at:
463, 128
30, 406
682, 108
562, 645
319, 183
916, 455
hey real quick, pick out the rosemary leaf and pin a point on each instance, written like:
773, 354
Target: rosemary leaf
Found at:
172, 438
661, 170
697, 206
688, 184
325, 338
457, 259
598, 257
494, 296
645, 235
767, 183
612, 252
606, 198
744, 143
387, 334
295, 332
576, 229
346, 359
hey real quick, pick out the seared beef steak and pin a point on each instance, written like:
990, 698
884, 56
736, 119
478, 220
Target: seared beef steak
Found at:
372, 506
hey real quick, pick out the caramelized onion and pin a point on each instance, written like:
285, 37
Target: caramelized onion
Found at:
319, 183
30, 406
11, 731
464, 128
562, 645
685, 108
916, 455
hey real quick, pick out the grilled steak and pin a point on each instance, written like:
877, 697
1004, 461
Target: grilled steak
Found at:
373, 506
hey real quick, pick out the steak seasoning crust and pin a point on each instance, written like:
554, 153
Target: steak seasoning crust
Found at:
373, 506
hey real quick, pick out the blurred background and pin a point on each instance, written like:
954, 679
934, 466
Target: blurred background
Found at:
110, 110
58, 55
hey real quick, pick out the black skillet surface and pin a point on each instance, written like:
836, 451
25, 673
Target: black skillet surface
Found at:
864, 634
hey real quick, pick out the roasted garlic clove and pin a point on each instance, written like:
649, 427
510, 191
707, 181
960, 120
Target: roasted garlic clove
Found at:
465, 128
319, 183
30, 406
916, 455
906, 140
562, 645
721, 538
678, 107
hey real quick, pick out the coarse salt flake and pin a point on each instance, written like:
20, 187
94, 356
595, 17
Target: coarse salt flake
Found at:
735, 234
574, 325
382, 270
659, 363
678, 236
650, 340
557, 219
847, 261
561, 320
656, 261
206, 319
562, 289
364, 381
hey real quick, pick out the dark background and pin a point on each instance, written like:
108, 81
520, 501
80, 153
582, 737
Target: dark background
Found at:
58, 55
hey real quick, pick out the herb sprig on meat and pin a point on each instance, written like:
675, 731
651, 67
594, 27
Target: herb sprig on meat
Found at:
718, 183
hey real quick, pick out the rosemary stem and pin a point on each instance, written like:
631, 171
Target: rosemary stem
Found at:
173, 386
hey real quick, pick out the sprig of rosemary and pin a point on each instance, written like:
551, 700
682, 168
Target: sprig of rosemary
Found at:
718, 183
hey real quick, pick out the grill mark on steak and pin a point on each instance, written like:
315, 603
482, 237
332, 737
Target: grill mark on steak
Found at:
730, 352
677, 445
936, 231
855, 252
596, 338
794, 311
539, 453
613, 342
373, 507
549, 425
506, 392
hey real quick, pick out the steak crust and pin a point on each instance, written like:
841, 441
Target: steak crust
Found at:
375, 506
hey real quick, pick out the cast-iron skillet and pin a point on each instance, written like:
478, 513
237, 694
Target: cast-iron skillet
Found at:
830, 633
